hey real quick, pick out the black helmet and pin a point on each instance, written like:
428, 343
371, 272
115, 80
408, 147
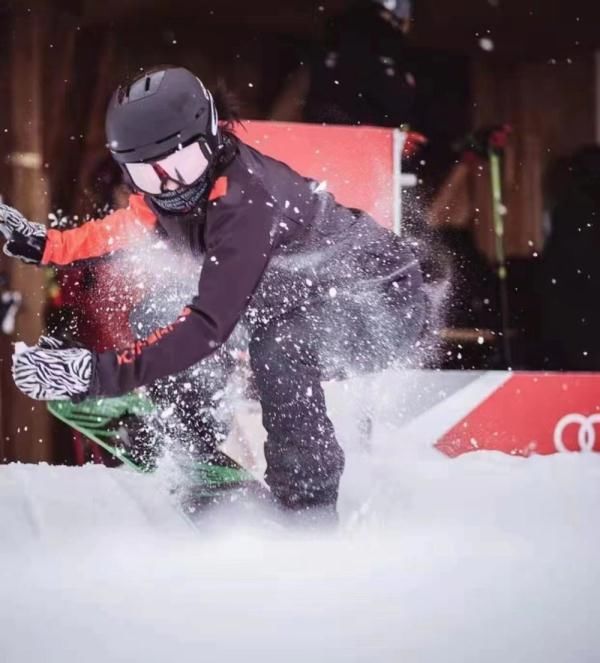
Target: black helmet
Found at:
157, 113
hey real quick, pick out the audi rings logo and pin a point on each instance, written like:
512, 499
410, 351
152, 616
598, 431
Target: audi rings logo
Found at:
586, 433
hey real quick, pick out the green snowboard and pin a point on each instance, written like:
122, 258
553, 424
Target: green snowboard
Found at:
115, 425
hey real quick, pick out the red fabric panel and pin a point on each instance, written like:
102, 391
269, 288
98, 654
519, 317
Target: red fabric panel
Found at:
356, 162
97, 238
532, 413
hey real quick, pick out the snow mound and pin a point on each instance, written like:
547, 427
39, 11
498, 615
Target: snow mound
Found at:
483, 558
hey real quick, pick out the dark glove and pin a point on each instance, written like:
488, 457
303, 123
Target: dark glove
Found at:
24, 240
51, 370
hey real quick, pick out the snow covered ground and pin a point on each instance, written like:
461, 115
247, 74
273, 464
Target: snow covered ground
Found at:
484, 558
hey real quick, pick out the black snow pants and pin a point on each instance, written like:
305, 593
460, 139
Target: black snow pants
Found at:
290, 357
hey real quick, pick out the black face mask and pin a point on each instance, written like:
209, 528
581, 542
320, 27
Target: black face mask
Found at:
185, 199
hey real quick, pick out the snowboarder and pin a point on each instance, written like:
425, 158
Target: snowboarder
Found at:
323, 290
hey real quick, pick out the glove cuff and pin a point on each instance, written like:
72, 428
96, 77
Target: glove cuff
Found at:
29, 248
93, 388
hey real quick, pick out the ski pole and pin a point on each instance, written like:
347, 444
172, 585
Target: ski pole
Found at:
498, 212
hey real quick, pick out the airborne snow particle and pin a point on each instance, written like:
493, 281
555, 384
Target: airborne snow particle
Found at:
486, 44
165, 414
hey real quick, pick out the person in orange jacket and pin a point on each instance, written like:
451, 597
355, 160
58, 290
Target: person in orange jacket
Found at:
323, 290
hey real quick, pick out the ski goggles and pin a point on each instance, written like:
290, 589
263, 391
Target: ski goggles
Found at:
184, 167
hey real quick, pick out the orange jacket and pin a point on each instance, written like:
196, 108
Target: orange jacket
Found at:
115, 231
97, 238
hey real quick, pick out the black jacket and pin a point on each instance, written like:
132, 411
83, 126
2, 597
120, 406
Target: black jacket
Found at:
270, 242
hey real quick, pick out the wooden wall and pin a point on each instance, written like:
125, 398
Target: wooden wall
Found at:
551, 108
47, 85
5, 180
25, 424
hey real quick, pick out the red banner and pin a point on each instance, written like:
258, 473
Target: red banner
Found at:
531, 413
356, 163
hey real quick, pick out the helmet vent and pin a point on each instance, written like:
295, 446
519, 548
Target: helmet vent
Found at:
147, 85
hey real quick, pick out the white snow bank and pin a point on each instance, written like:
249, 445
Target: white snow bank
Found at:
486, 558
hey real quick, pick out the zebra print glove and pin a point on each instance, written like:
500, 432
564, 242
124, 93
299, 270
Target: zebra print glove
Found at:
24, 239
50, 371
